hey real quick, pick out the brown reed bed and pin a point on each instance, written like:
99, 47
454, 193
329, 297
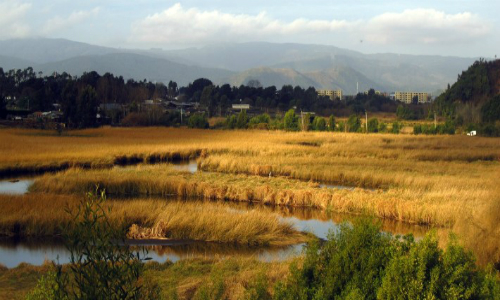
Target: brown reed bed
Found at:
41, 215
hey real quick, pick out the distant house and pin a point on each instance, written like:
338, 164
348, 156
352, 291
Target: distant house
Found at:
176, 105
472, 133
241, 106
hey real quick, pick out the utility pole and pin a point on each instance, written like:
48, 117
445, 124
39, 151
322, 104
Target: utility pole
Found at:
366, 121
181, 115
435, 120
302, 118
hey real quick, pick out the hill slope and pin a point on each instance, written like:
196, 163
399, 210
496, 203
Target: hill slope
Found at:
339, 67
134, 66
478, 83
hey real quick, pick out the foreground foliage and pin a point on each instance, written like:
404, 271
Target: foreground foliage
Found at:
100, 267
361, 262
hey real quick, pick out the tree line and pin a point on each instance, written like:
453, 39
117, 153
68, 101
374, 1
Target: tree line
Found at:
80, 96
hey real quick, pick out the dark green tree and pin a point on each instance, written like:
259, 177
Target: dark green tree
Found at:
373, 125
291, 121
331, 123
396, 127
490, 112
87, 104
319, 124
198, 120
242, 120
3, 107
354, 123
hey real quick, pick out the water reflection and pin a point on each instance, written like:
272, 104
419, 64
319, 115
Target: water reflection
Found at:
36, 252
15, 186
190, 166
318, 222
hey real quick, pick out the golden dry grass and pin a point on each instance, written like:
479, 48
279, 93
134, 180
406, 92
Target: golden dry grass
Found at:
428, 179
160, 180
46, 215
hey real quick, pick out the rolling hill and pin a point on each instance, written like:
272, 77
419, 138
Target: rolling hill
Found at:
272, 64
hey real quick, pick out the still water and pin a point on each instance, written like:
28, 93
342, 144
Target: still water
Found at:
13, 252
15, 186
320, 223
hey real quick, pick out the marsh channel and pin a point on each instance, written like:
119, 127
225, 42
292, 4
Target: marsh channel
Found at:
36, 251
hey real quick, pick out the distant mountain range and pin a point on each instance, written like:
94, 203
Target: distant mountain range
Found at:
320, 66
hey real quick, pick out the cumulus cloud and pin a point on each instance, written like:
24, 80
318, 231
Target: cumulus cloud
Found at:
193, 26
179, 26
426, 26
12, 19
62, 23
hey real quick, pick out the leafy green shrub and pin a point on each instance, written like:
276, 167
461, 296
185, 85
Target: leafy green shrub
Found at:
331, 123
291, 121
319, 124
260, 119
417, 129
373, 125
100, 268
382, 127
198, 120
353, 124
361, 262
242, 120
396, 127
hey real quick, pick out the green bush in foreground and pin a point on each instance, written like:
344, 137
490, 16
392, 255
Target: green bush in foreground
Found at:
101, 266
361, 262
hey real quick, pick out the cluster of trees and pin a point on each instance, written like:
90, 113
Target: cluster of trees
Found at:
306, 122
361, 262
447, 128
474, 101
79, 97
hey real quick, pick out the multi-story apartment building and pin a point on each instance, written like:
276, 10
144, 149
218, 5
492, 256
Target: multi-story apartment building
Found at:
407, 97
332, 94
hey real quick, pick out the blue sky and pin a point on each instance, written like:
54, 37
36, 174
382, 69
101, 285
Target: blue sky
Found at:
445, 27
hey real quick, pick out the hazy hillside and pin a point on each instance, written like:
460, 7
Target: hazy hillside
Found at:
240, 57
344, 78
134, 66
270, 76
49, 50
276, 64
389, 72
9, 63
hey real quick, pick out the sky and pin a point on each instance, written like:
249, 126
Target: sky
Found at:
467, 28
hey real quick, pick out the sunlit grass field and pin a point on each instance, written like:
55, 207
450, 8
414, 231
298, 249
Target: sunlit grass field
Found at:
449, 181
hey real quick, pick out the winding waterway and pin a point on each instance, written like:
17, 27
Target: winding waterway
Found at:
320, 223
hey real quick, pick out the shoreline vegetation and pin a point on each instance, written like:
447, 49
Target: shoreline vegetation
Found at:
38, 215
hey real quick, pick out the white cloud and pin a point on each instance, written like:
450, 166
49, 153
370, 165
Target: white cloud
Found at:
12, 19
179, 26
193, 26
427, 26
59, 23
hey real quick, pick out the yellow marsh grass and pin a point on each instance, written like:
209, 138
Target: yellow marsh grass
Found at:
45, 215
438, 179
161, 180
